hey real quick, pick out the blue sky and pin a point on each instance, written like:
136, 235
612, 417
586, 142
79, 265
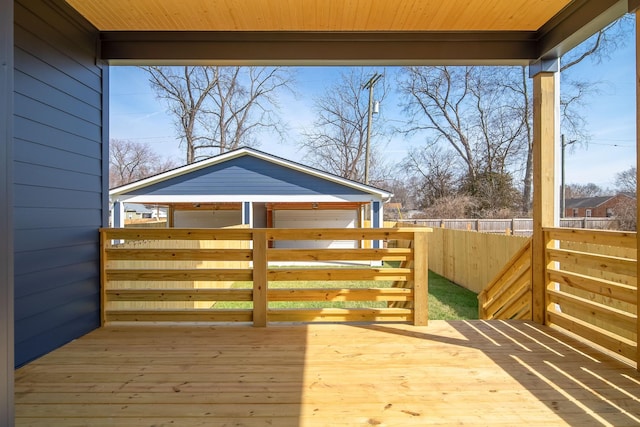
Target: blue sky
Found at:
137, 115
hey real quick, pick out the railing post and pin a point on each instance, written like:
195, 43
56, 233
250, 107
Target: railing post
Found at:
260, 283
420, 279
544, 195
103, 277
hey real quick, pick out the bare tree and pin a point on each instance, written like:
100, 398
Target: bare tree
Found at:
470, 110
185, 90
626, 209
626, 212
579, 191
457, 206
243, 101
338, 140
218, 109
627, 182
495, 135
130, 161
436, 174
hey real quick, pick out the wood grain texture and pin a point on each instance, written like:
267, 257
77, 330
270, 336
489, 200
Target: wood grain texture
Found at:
319, 15
170, 271
473, 373
544, 196
593, 287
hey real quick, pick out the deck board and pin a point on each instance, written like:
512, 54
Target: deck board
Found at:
448, 373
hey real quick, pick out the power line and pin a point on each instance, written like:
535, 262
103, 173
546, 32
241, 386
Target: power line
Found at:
611, 145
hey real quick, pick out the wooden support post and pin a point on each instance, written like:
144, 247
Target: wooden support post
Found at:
637, 170
103, 277
171, 216
544, 129
260, 262
420, 279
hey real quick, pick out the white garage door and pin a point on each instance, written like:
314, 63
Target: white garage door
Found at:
316, 219
206, 219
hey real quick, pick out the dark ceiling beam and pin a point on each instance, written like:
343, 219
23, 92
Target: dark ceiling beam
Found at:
318, 48
576, 23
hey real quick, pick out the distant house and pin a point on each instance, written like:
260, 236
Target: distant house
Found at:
250, 187
600, 207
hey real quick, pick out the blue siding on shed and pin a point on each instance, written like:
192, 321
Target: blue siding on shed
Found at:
58, 177
246, 175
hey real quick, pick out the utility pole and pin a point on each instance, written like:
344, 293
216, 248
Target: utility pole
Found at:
369, 85
563, 144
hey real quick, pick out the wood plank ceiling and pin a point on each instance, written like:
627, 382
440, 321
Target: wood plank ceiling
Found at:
318, 15
347, 32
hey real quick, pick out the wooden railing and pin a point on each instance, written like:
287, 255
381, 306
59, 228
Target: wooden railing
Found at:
508, 295
592, 286
148, 276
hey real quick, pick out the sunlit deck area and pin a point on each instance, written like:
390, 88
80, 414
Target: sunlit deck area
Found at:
474, 373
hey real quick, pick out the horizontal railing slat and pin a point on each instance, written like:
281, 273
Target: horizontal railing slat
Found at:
194, 315
330, 274
349, 294
342, 233
392, 254
610, 315
599, 336
608, 263
597, 237
178, 233
179, 254
594, 285
341, 315
179, 294
202, 274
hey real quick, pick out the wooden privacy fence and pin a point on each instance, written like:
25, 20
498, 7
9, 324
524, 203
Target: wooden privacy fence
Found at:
145, 273
468, 258
514, 226
592, 286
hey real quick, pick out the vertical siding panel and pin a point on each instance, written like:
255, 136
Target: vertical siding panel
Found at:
6, 226
58, 133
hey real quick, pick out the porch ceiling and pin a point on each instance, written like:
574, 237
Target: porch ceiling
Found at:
319, 15
344, 32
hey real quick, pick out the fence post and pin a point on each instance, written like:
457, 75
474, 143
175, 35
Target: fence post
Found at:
420, 279
260, 283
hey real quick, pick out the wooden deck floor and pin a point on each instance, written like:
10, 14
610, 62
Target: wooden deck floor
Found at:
449, 373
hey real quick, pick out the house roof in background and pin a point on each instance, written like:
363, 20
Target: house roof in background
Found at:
591, 202
138, 187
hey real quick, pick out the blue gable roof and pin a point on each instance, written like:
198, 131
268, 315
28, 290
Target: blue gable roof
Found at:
246, 175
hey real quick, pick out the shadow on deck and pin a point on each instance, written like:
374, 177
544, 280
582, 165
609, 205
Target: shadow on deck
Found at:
448, 373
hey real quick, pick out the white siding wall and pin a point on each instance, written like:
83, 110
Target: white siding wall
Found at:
207, 219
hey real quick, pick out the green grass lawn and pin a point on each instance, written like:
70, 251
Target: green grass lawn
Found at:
447, 301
